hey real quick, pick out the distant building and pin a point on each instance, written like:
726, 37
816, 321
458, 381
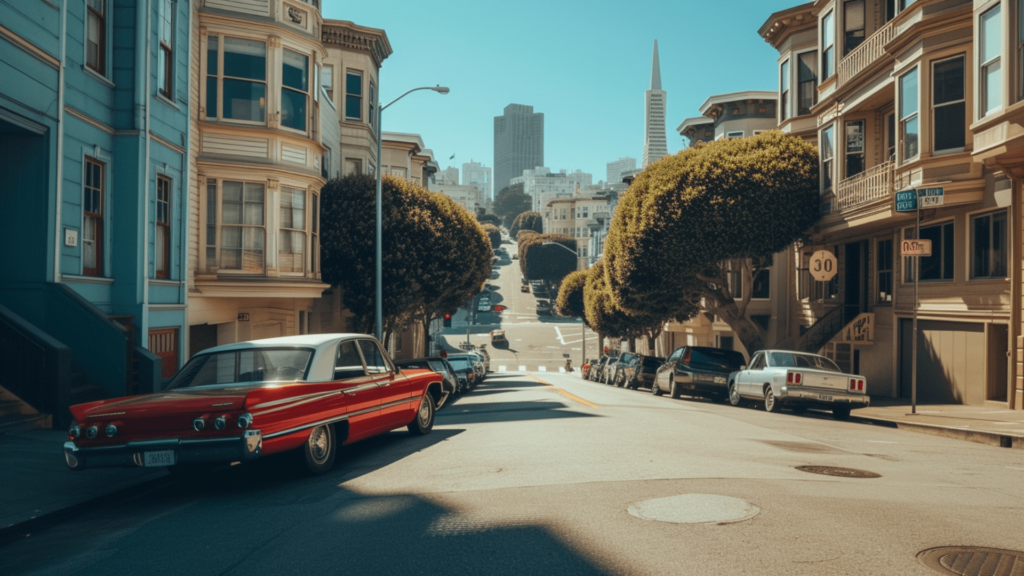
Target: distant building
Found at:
404, 155
470, 197
733, 115
655, 147
541, 184
586, 216
449, 175
518, 143
476, 174
618, 168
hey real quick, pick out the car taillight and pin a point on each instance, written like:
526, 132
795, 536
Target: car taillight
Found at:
794, 378
74, 431
856, 385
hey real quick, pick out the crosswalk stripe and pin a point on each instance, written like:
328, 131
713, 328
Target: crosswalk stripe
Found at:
501, 368
561, 369
522, 368
542, 368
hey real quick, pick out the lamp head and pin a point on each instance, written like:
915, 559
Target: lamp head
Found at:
440, 89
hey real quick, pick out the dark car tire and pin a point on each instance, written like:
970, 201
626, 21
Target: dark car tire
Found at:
655, 389
771, 403
676, 391
841, 412
734, 395
423, 423
320, 449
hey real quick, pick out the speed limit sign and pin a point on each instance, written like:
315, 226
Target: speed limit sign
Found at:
823, 265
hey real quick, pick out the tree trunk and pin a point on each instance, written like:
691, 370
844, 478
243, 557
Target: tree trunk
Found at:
746, 329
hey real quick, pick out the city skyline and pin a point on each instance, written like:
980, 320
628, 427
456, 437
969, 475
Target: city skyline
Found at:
590, 91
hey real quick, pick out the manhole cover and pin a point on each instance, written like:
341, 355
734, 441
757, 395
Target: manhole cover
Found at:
837, 471
973, 561
695, 509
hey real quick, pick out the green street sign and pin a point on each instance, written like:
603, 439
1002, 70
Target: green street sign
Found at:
906, 201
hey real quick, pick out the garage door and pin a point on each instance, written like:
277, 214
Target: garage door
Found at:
951, 358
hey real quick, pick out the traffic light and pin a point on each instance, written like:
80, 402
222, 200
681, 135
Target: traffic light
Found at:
447, 320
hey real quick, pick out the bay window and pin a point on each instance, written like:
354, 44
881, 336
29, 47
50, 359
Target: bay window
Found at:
92, 222
828, 40
989, 251
294, 89
883, 271
909, 121
940, 265
327, 80
949, 104
291, 249
371, 104
990, 78
354, 95
314, 235
807, 82
242, 230
162, 237
236, 71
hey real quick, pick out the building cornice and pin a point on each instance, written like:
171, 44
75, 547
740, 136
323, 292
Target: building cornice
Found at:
782, 24
350, 36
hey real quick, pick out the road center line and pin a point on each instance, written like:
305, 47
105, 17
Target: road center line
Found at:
566, 394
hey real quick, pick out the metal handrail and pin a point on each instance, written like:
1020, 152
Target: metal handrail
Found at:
868, 186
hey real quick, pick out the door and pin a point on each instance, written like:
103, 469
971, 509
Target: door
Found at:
999, 362
951, 362
661, 378
395, 388
361, 395
855, 281
750, 379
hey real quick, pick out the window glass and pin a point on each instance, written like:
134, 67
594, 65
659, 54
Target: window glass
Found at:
853, 18
292, 235
784, 91
757, 363
96, 36
949, 103
762, 284
327, 80
354, 95
211, 223
883, 266
212, 51
242, 234
940, 265
908, 115
827, 155
162, 240
92, 222
295, 83
854, 148
348, 363
261, 365
828, 52
989, 254
1020, 49
991, 78
375, 363
165, 64
807, 76
245, 61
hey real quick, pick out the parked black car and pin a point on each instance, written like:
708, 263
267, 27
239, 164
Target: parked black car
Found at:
640, 373
613, 373
442, 367
698, 371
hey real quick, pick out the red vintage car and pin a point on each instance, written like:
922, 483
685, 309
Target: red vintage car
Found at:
241, 401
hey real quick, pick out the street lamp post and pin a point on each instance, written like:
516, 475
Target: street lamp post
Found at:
378, 255
583, 321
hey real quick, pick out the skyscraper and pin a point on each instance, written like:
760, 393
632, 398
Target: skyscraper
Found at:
519, 143
655, 146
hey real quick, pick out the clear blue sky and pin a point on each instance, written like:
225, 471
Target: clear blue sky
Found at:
585, 65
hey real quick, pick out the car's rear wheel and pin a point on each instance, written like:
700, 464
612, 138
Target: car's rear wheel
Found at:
423, 423
655, 389
320, 449
841, 412
676, 391
734, 394
771, 403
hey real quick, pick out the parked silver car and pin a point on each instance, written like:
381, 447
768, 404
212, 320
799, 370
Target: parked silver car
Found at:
796, 380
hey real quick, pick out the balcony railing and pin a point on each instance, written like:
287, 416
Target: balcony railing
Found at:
864, 55
868, 186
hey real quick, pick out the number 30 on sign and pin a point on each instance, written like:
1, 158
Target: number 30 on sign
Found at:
823, 265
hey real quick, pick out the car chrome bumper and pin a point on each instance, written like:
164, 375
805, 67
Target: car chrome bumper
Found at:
189, 451
824, 397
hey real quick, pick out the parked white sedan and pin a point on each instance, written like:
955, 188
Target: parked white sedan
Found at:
796, 380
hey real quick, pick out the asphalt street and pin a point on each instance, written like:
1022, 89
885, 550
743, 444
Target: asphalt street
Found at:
537, 474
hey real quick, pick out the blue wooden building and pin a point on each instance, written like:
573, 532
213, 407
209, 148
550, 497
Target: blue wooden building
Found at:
94, 108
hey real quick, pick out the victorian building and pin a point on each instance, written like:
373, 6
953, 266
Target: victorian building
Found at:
94, 133
904, 97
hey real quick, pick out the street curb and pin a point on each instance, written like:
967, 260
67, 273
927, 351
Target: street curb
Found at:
24, 529
978, 436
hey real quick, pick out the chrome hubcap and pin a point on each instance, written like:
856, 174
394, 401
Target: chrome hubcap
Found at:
733, 395
769, 399
319, 444
424, 414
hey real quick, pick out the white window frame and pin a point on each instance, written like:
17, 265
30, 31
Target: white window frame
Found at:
914, 116
221, 76
995, 63
935, 106
218, 225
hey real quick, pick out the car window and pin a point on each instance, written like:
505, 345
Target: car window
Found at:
757, 363
348, 363
237, 366
791, 360
714, 358
675, 355
375, 363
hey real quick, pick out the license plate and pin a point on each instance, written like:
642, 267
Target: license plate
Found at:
160, 458
719, 380
824, 397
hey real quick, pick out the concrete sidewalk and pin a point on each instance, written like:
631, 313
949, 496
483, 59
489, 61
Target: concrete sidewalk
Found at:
992, 424
36, 483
